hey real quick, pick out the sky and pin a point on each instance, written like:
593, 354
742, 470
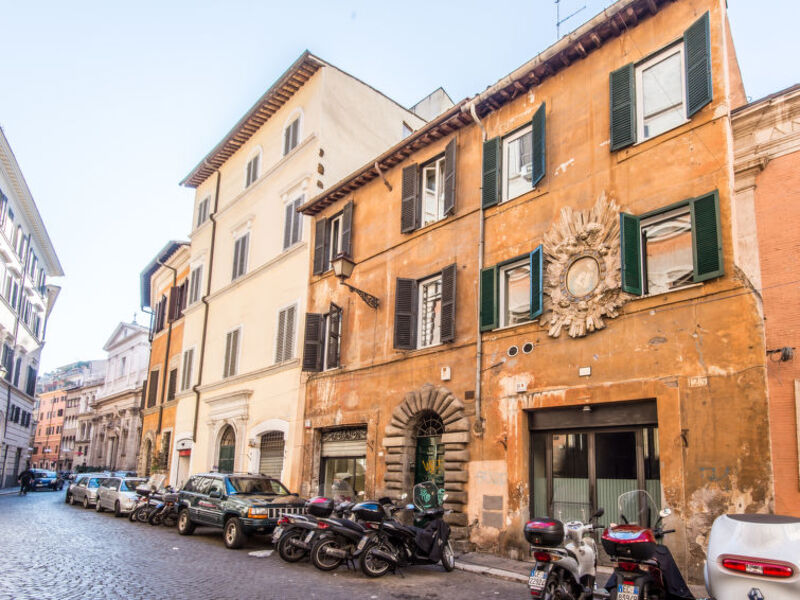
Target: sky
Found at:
107, 106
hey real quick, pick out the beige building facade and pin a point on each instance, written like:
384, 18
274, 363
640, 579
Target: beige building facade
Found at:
240, 402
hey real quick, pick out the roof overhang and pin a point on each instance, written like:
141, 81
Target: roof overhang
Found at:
273, 99
590, 36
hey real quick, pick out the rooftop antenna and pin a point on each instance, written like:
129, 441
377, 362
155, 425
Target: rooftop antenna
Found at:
559, 20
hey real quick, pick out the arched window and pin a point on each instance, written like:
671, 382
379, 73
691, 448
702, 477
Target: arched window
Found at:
429, 463
227, 448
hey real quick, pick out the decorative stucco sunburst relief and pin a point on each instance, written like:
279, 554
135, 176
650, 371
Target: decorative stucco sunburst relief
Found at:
582, 282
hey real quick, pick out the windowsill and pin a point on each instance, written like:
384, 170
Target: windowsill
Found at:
505, 205
680, 289
705, 116
197, 230
653, 137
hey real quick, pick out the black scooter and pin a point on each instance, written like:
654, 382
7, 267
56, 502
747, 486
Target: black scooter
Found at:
166, 512
295, 534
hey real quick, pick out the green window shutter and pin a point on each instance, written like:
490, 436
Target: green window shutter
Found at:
488, 298
630, 252
319, 246
448, 310
409, 193
538, 145
490, 194
450, 177
313, 342
623, 107
405, 314
697, 48
347, 230
537, 277
706, 237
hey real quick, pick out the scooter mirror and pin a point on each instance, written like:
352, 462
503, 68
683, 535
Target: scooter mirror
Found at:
361, 493
403, 496
444, 497
598, 513
410, 507
665, 512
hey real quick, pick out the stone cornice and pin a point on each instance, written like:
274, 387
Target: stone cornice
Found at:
765, 130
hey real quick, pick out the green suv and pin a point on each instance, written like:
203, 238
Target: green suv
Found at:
242, 504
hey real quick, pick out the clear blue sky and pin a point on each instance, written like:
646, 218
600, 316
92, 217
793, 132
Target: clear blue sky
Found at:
108, 105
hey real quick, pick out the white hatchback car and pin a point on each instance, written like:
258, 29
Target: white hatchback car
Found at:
84, 489
755, 557
118, 494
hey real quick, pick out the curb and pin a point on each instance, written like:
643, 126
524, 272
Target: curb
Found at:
492, 572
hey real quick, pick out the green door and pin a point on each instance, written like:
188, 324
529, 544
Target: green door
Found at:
227, 447
429, 460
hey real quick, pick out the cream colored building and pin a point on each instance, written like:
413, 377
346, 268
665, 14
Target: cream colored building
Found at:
240, 402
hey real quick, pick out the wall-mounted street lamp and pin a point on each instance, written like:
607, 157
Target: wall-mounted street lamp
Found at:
343, 268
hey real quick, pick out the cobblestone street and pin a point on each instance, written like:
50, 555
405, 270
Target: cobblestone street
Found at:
51, 550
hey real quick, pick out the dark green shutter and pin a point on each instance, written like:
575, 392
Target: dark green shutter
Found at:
405, 312
313, 342
706, 236
347, 230
537, 277
623, 107
488, 298
697, 47
450, 177
334, 335
410, 191
490, 194
630, 252
538, 145
448, 315
319, 246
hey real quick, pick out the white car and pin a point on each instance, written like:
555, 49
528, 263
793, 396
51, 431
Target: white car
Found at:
118, 494
754, 557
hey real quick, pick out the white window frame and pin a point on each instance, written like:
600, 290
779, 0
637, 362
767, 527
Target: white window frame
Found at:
335, 250
437, 337
513, 137
187, 377
650, 221
293, 347
195, 275
638, 70
236, 273
235, 355
327, 328
439, 175
295, 226
501, 302
295, 117
202, 211
251, 174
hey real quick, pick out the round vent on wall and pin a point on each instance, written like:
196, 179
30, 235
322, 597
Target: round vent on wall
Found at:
512, 351
527, 347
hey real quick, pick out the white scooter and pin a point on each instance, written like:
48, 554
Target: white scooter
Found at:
566, 558
754, 557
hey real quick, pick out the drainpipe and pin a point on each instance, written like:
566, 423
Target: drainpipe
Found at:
166, 353
196, 388
470, 108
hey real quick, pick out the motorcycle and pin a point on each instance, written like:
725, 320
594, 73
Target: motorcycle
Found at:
566, 558
645, 569
166, 511
146, 505
295, 534
753, 557
398, 545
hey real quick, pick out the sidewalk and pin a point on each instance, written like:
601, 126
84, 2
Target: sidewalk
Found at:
9, 490
518, 570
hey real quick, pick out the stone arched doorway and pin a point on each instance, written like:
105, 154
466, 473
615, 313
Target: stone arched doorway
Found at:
432, 412
429, 452
227, 450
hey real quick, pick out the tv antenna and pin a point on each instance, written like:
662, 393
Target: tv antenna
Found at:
559, 20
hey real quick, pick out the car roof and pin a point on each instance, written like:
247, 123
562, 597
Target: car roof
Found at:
250, 475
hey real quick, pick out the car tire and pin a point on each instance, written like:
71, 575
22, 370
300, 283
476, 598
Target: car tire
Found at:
71, 499
68, 498
97, 506
234, 534
86, 502
321, 560
117, 509
185, 525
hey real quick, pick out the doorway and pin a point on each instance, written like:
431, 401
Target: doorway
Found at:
227, 451
429, 458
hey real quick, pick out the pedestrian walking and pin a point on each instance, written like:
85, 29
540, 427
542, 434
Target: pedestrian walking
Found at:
25, 479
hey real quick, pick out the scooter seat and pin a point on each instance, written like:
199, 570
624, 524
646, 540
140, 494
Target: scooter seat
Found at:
348, 523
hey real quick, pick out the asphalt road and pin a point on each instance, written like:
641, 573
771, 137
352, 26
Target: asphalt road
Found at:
50, 550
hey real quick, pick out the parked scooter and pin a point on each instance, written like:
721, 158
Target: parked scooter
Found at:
566, 558
397, 545
754, 557
645, 569
295, 534
166, 511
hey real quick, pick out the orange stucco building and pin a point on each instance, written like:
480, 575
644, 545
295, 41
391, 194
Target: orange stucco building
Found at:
546, 303
165, 291
767, 164
47, 438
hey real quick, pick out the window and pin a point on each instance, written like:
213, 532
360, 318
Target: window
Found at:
186, 376
30, 385
321, 346
291, 136
152, 389
202, 211
428, 192
240, 247
333, 238
425, 310
195, 284
517, 163
252, 171
333, 333
284, 343
293, 223
122, 366
672, 248
511, 292
515, 293
661, 92
172, 385
231, 353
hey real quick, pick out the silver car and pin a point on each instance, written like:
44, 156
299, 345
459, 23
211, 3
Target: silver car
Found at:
118, 494
84, 489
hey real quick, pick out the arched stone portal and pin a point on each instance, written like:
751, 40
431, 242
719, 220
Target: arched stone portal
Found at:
400, 441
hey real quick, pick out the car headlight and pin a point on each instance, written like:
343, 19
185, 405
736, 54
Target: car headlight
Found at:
258, 513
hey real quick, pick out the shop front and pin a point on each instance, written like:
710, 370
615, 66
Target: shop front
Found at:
343, 463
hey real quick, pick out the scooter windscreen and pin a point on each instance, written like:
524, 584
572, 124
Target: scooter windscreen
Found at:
638, 508
428, 495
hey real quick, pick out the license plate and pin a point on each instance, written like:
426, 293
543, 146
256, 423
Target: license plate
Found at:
537, 580
627, 592
276, 534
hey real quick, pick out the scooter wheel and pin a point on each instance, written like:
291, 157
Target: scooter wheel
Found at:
374, 566
155, 519
321, 559
448, 558
142, 514
170, 520
288, 551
